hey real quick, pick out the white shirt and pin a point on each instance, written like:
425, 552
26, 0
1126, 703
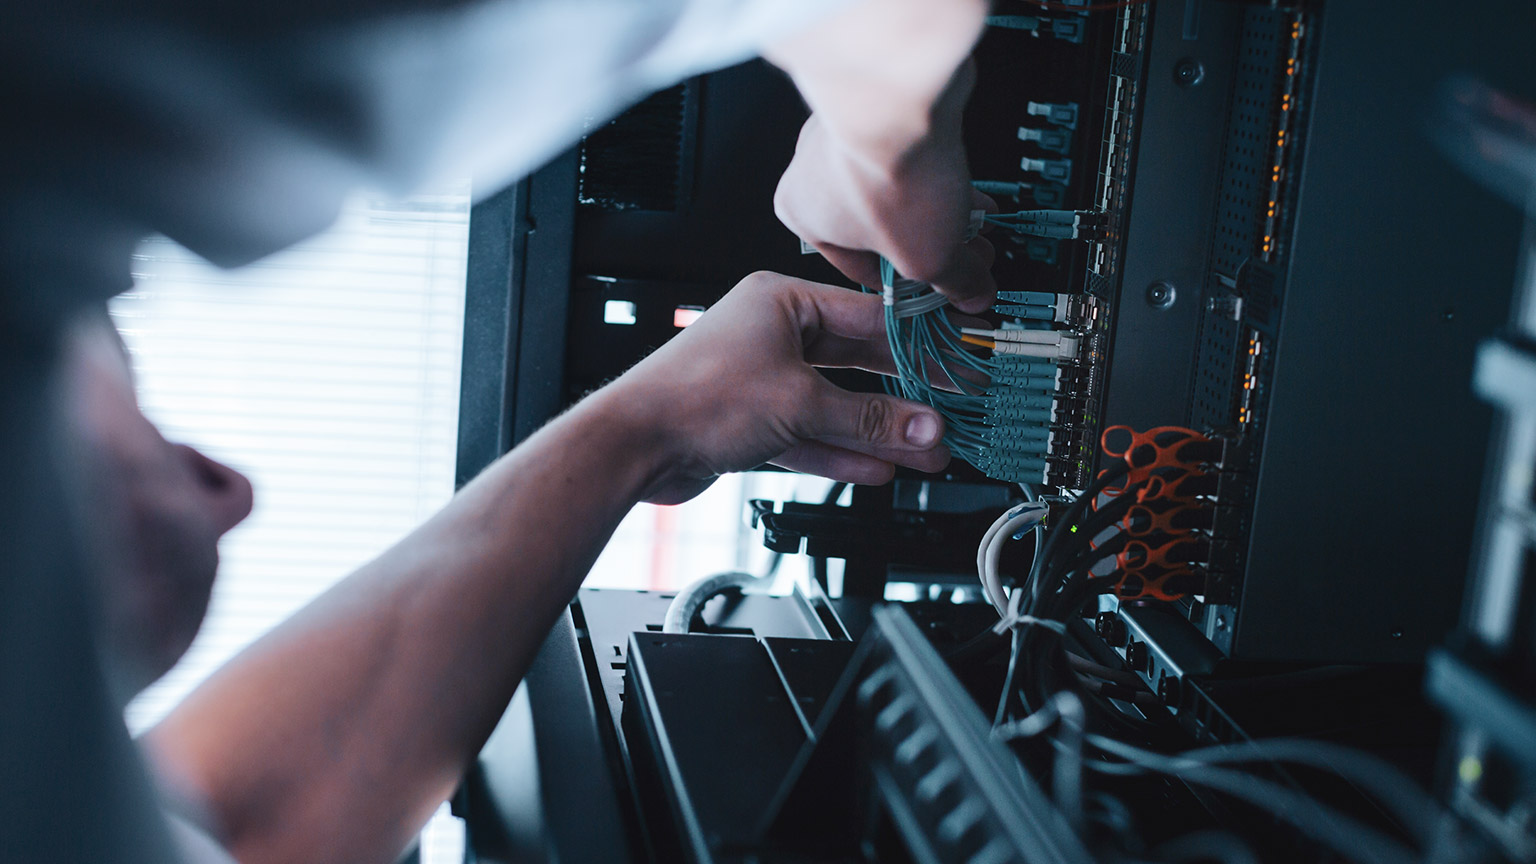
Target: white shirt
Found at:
237, 129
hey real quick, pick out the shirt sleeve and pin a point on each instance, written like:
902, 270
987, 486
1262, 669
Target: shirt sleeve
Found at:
520, 81
237, 141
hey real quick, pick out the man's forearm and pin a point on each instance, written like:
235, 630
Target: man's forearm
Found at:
394, 678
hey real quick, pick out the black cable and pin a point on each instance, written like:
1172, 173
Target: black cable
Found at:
1413, 808
1113, 546
986, 643
834, 492
1345, 835
1103, 519
1068, 518
1032, 599
1046, 649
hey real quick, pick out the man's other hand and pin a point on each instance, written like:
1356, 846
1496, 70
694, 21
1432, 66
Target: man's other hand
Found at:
739, 388
914, 210
880, 169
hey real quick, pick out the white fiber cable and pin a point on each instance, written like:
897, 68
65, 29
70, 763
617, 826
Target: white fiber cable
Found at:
690, 600
989, 554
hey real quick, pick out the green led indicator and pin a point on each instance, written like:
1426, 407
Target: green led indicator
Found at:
1073, 529
1470, 770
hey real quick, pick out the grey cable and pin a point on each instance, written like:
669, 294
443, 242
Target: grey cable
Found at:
1347, 836
1396, 791
1065, 711
1031, 495
690, 600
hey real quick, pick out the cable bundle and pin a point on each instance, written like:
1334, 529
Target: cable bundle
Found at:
999, 409
1141, 514
935, 362
1152, 498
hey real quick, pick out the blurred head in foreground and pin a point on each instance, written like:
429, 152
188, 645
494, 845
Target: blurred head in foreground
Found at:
151, 511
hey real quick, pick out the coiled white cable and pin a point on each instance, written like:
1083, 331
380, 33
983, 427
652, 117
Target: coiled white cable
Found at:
988, 555
690, 600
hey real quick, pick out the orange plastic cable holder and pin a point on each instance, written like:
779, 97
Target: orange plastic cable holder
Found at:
1159, 449
1167, 486
1137, 554
1138, 585
1142, 521
1180, 487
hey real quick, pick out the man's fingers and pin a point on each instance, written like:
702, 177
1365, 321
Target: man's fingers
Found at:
842, 352
885, 427
825, 460
874, 420
967, 279
935, 459
841, 312
982, 201
962, 320
861, 266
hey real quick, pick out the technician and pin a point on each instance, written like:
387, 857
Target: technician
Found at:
237, 131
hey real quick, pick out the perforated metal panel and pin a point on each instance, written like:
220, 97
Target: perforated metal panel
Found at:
1238, 227
1212, 403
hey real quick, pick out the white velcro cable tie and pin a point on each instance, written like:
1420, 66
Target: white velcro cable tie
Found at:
920, 305
1011, 621
973, 227
1020, 509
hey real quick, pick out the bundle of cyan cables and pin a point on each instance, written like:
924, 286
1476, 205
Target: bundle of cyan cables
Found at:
995, 388
935, 363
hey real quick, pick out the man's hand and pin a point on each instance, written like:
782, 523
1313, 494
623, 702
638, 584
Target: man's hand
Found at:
738, 388
879, 168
